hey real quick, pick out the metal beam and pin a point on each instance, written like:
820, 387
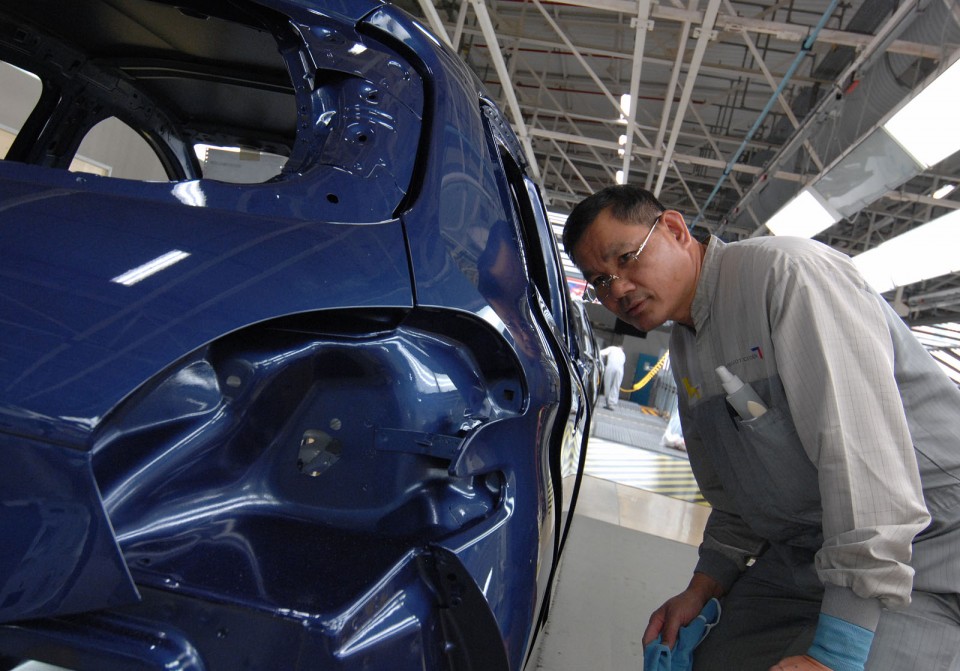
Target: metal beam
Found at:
433, 18
643, 25
653, 153
461, 19
901, 197
671, 90
716, 150
720, 70
576, 171
490, 35
566, 117
789, 32
586, 66
784, 105
706, 34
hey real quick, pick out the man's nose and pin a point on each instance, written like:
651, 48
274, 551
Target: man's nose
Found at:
620, 287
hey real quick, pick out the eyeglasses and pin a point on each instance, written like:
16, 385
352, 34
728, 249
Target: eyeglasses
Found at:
602, 284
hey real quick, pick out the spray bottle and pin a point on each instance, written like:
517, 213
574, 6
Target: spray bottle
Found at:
741, 396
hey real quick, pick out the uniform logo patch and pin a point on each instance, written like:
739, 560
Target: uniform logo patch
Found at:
755, 353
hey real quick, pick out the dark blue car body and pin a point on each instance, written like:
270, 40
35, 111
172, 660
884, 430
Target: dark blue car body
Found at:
342, 429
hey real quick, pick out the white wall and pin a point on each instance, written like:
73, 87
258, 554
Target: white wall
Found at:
111, 144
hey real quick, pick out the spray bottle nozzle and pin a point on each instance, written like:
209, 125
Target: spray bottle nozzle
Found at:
739, 395
726, 377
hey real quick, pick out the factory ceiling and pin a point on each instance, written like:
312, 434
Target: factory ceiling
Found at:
738, 106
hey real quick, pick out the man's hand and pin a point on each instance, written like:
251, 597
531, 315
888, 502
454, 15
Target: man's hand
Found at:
799, 663
678, 611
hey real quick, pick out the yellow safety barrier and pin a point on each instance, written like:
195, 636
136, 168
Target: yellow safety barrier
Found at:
650, 374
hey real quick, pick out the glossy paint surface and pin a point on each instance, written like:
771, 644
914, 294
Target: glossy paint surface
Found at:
81, 341
335, 428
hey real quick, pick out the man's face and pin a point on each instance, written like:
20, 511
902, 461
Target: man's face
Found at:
645, 289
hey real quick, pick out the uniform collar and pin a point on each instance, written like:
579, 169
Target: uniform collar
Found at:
707, 284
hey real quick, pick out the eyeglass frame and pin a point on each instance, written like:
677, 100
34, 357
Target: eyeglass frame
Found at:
598, 282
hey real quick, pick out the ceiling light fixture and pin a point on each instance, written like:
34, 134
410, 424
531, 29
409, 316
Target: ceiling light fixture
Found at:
624, 108
922, 253
944, 191
805, 215
926, 126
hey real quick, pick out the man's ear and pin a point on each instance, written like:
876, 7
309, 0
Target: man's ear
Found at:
673, 221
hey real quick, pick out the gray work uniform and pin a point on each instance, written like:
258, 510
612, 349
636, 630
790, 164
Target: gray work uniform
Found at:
830, 488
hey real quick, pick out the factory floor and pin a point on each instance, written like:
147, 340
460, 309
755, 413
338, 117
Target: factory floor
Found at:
633, 544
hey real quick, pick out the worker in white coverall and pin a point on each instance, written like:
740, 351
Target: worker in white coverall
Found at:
613, 360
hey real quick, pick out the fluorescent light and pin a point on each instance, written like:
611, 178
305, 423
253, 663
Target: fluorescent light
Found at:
557, 221
927, 125
944, 191
619, 176
804, 216
948, 363
134, 275
624, 108
201, 150
557, 218
925, 252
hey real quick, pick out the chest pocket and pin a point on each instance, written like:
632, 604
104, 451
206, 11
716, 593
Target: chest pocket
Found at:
772, 480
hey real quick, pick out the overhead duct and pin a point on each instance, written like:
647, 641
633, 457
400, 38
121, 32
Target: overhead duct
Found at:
798, 59
891, 78
867, 20
919, 132
841, 117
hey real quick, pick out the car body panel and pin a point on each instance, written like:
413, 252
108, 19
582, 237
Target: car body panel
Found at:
241, 270
342, 427
60, 552
588, 350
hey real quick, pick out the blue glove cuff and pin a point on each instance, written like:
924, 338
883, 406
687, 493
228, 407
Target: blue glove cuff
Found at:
840, 645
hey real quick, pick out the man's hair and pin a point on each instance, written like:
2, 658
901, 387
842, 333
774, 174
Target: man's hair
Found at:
627, 203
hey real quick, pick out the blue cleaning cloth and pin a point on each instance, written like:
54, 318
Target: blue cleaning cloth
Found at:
658, 657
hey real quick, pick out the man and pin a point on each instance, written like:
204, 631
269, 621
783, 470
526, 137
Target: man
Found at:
613, 360
820, 541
